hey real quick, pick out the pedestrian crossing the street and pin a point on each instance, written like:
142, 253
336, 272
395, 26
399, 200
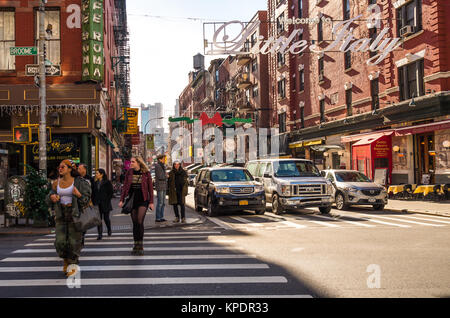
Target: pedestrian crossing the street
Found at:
183, 263
301, 221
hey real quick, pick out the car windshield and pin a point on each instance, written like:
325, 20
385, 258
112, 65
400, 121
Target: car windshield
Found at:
295, 169
230, 175
351, 176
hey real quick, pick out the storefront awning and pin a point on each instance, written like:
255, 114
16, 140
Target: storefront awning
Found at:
326, 147
368, 140
420, 129
373, 134
299, 144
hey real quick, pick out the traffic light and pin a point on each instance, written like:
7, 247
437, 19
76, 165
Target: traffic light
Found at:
21, 135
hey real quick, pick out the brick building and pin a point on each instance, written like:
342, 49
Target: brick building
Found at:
83, 98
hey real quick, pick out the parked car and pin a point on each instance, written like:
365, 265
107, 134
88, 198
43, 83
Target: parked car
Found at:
351, 187
221, 189
292, 184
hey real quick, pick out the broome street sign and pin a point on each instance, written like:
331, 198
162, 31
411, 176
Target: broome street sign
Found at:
25, 50
50, 70
230, 38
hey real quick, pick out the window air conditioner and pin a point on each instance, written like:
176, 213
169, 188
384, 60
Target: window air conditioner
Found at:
406, 30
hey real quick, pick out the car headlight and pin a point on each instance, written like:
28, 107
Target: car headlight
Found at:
223, 190
259, 188
286, 190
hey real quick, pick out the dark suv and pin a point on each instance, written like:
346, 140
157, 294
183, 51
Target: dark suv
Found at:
228, 189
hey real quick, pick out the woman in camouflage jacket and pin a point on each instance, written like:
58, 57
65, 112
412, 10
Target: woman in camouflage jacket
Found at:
70, 194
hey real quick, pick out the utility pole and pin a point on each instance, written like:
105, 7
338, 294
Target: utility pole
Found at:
42, 92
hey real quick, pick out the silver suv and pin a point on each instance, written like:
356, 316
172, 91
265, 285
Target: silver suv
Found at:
292, 184
351, 187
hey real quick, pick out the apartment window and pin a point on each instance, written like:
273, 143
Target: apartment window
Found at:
302, 80
302, 117
346, 5
322, 110
53, 42
253, 39
348, 60
7, 39
281, 59
411, 80
372, 2
300, 8
280, 23
282, 122
320, 31
255, 91
374, 91
254, 66
409, 14
321, 70
348, 102
282, 88
217, 76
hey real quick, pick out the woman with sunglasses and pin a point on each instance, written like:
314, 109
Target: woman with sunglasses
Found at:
138, 182
69, 194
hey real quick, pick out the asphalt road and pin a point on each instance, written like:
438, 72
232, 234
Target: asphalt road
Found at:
356, 253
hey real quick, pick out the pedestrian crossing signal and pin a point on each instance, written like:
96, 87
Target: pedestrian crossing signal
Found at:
21, 135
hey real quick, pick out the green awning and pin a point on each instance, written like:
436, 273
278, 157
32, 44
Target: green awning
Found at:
109, 142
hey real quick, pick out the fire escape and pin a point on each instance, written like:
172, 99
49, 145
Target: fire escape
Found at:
121, 64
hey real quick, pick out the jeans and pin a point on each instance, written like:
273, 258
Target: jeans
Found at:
161, 195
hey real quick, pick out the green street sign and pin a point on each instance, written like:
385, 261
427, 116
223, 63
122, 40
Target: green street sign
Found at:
24, 50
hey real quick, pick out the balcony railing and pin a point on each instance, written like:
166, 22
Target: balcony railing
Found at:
244, 81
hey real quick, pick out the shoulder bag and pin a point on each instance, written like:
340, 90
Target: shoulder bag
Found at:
88, 216
128, 205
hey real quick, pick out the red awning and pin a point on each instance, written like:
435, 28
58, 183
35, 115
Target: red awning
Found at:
368, 140
420, 129
373, 134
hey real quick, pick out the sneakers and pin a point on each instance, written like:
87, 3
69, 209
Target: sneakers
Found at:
176, 220
183, 220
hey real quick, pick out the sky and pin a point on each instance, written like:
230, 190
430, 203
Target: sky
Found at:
164, 38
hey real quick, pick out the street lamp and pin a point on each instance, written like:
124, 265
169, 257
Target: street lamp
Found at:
145, 130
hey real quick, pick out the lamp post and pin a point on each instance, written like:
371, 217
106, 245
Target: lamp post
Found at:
42, 92
145, 136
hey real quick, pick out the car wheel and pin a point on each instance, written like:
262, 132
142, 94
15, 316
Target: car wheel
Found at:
378, 207
276, 206
325, 210
340, 202
212, 210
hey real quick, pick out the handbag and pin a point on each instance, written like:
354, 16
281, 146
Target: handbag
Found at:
88, 218
128, 205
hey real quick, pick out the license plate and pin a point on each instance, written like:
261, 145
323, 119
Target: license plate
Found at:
372, 200
243, 202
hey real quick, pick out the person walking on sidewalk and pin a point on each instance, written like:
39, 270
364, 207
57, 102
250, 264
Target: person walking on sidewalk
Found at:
138, 182
82, 170
70, 194
101, 197
161, 187
178, 190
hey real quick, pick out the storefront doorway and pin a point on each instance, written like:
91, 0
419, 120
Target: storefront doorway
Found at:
426, 158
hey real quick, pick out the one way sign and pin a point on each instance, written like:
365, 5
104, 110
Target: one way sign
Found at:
50, 70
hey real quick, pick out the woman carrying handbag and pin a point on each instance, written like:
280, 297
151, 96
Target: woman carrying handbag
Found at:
138, 187
101, 197
69, 194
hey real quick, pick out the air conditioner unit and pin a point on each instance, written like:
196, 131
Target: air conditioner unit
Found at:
321, 77
406, 30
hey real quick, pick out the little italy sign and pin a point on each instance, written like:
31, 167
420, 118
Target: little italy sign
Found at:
224, 43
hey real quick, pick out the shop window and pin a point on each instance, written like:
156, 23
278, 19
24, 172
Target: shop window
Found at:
409, 18
411, 80
7, 39
53, 34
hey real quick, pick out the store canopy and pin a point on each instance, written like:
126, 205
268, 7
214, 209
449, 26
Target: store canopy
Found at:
420, 129
326, 147
368, 140
373, 134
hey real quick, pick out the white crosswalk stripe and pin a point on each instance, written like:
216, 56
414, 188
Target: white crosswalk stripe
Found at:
425, 219
228, 266
407, 221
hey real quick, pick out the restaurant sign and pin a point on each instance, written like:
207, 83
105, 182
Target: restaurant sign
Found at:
232, 37
92, 40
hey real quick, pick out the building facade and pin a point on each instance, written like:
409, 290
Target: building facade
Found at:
82, 98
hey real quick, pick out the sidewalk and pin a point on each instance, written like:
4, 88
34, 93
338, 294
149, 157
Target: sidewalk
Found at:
425, 207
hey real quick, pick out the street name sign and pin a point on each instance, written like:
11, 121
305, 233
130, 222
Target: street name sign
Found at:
23, 50
50, 70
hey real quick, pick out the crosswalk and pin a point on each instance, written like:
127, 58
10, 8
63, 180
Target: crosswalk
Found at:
181, 263
250, 222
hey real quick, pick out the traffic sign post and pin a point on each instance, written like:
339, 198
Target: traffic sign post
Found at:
23, 50
50, 70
